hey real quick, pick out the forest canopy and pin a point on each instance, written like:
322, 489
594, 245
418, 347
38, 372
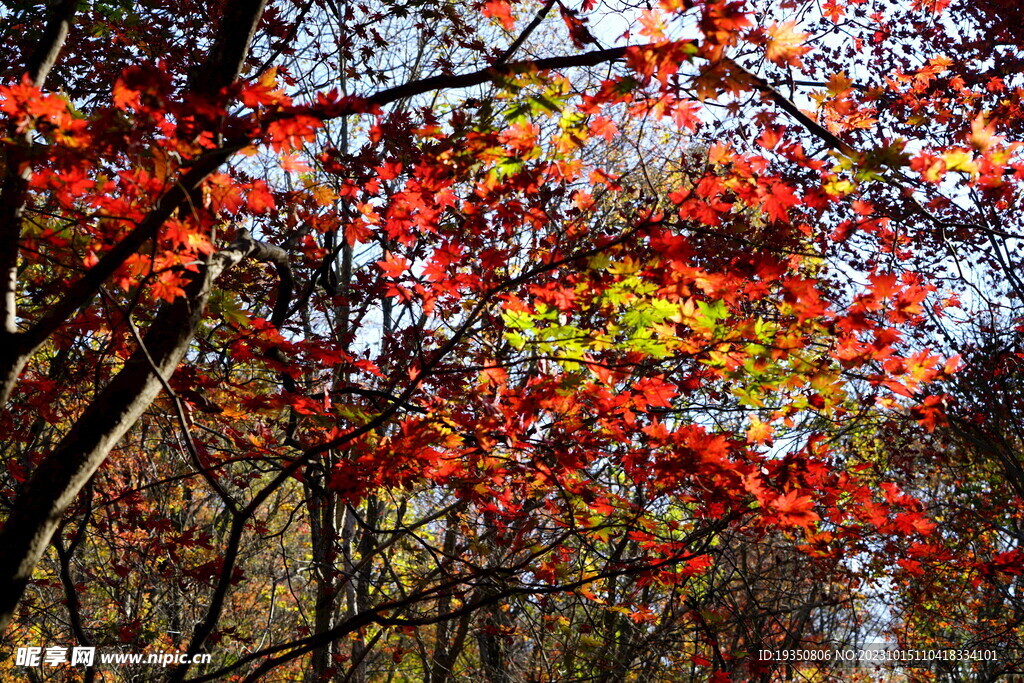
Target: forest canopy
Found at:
510, 340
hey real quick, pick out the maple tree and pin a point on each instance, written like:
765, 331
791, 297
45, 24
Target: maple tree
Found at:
352, 340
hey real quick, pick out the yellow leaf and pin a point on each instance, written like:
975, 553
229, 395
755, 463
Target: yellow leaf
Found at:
960, 160
839, 187
982, 134
839, 84
759, 432
786, 44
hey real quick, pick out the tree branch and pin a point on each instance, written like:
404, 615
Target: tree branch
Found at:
227, 56
784, 103
433, 83
54, 35
530, 28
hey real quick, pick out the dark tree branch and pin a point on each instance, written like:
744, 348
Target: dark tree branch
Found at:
498, 72
830, 139
526, 32
54, 35
230, 48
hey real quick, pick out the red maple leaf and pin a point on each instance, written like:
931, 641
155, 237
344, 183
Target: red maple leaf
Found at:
795, 510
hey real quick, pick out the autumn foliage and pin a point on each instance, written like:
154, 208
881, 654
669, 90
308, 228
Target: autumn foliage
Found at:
510, 341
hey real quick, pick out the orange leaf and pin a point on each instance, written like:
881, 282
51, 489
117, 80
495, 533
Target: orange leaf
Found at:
786, 44
502, 11
393, 266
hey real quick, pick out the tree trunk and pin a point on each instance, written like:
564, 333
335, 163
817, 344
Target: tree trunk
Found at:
40, 504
